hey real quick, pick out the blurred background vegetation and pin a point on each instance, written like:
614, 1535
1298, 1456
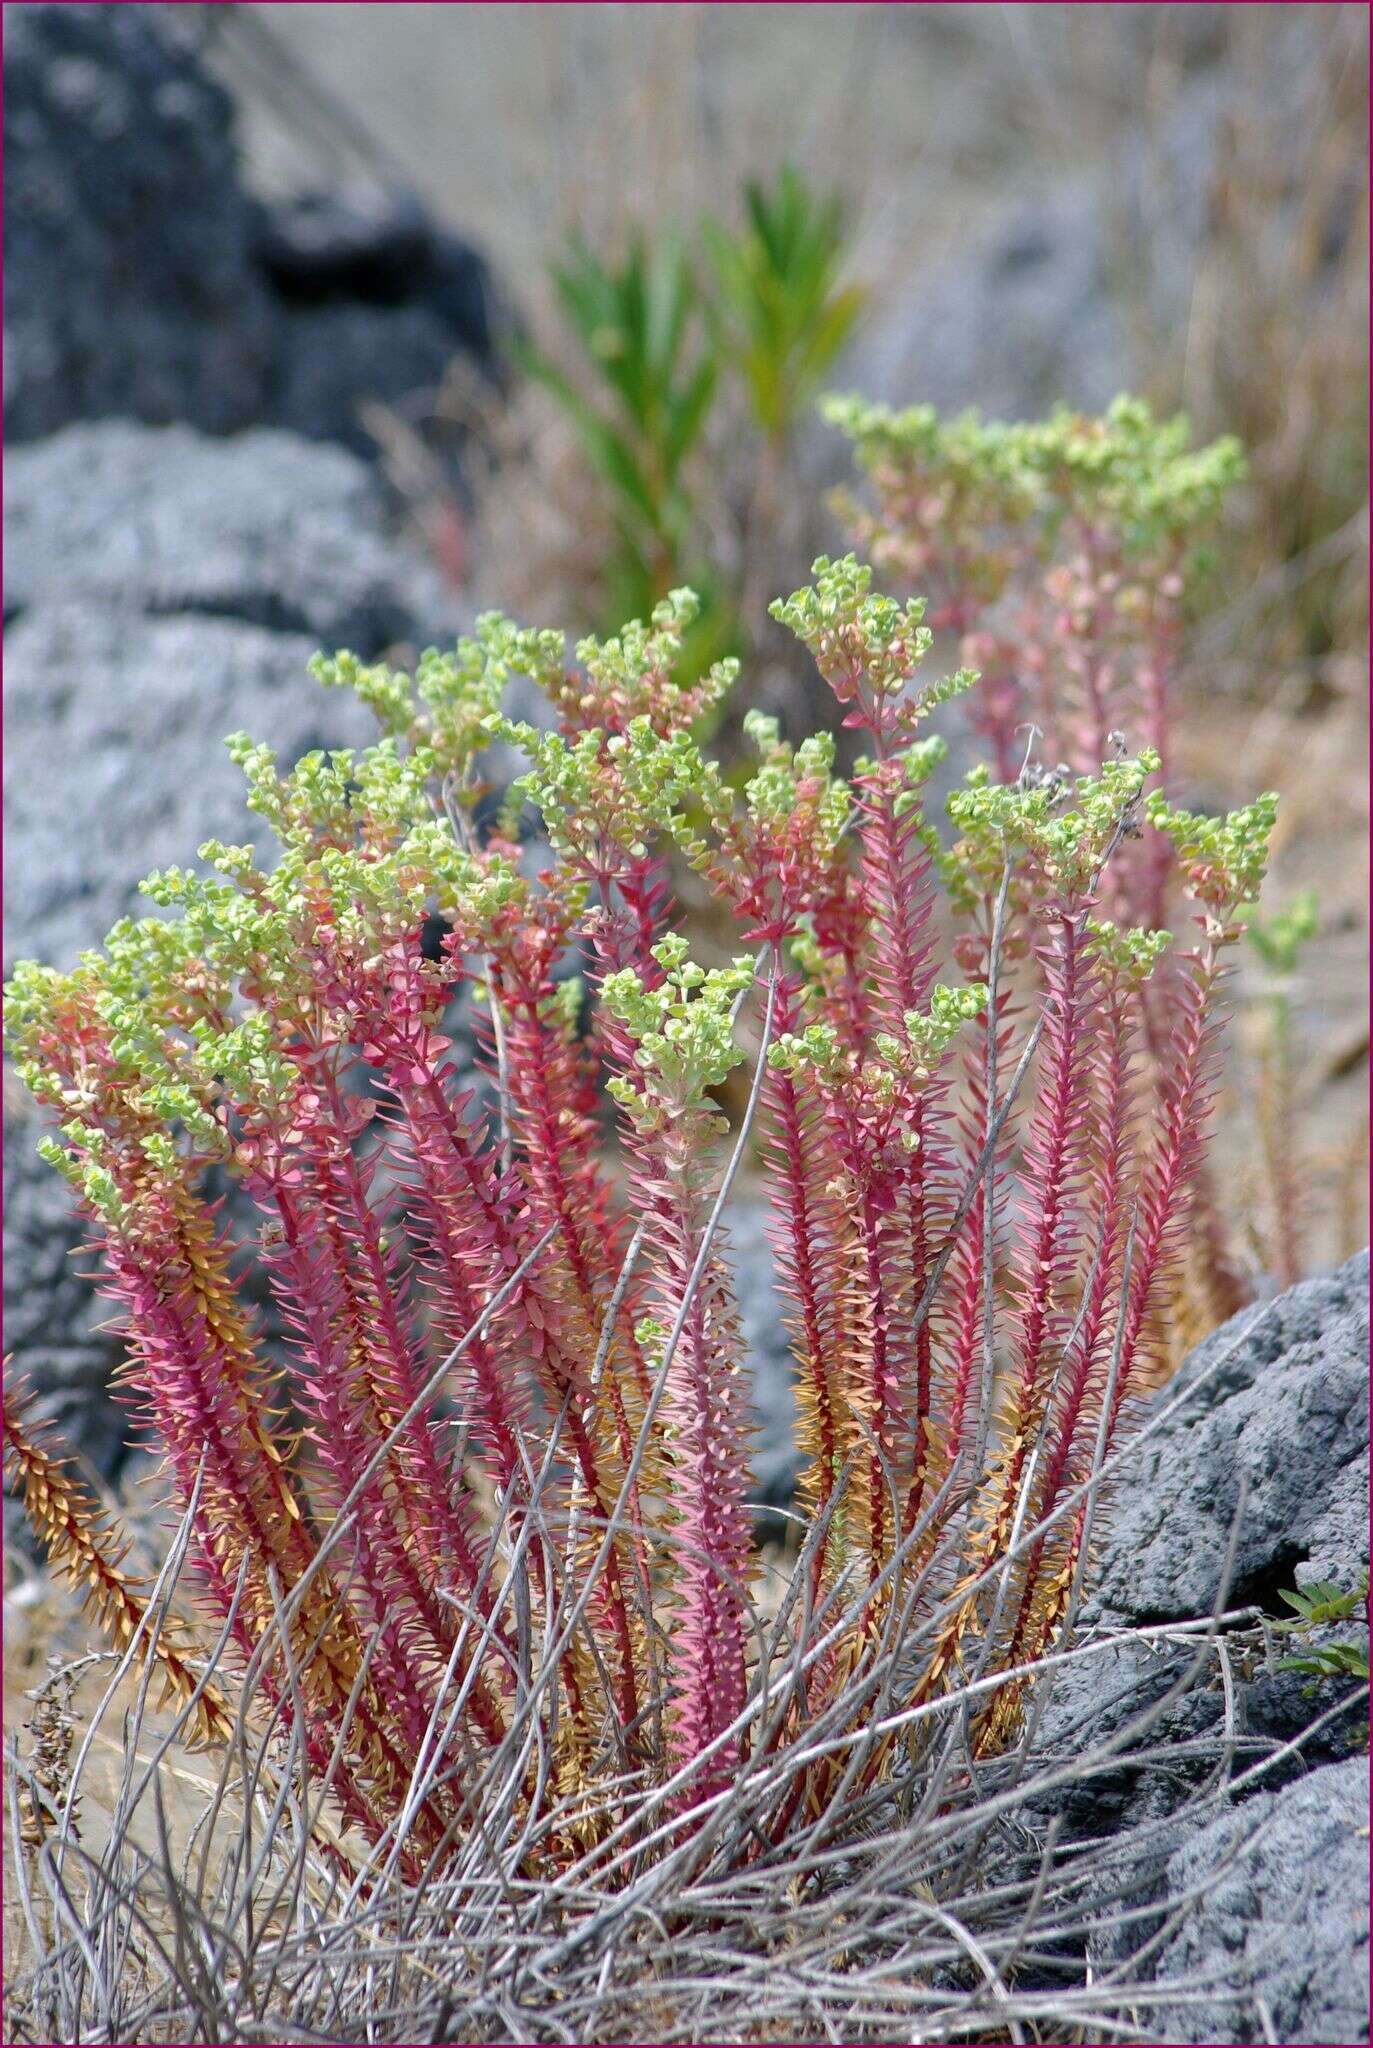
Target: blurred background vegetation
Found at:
698, 217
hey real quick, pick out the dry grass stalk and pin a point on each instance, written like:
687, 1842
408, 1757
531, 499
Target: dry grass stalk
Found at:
69, 1523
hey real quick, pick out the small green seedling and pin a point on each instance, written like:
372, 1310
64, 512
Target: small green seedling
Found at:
1322, 1605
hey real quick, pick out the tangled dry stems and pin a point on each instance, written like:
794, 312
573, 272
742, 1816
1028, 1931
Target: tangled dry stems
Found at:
942, 1904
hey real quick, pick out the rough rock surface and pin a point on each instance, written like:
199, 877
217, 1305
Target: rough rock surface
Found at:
1260, 1916
377, 298
1280, 1410
115, 763
145, 281
1288, 1914
1280, 1405
127, 235
1282, 1399
254, 528
170, 589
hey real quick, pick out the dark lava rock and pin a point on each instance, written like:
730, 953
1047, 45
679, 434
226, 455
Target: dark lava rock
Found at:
131, 282
144, 280
377, 300
51, 1309
370, 247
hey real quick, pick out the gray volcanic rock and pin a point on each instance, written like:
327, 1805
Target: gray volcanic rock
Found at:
115, 762
1277, 1935
1280, 1403
1288, 1914
170, 589
1282, 1399
1260, 1917
255, 528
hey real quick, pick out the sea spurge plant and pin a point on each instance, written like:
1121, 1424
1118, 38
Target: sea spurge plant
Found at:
481, 1518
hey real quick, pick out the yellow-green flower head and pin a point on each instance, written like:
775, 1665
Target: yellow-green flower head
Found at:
1224, 860
683, 1029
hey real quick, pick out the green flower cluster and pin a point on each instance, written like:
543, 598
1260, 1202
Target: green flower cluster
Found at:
1130, 955
1140, 472
683, 1029
444, 711
852, 634
976, 459
635, 668
928, 1036
627, 787
1028, 818
772, 795
1224, 860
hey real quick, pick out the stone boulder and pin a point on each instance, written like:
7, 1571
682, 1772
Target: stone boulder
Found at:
128, 236
1252, 1919
254, 528
144, 280
1282, 1404
1247, 1863
377, 300
1280, 1891
166, 589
